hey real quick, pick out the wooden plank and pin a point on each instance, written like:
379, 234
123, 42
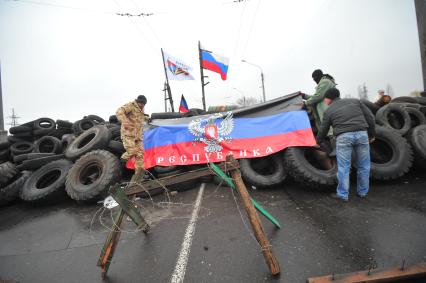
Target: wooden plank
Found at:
270, 259
174, 179
375, 275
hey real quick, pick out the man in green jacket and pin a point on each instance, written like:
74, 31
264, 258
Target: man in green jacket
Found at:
316, 101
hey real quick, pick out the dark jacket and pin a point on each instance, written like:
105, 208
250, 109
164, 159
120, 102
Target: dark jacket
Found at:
347, 115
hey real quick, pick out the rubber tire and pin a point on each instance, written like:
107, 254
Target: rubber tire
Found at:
46, 184
95, 118
4, 145
21, 148
94, 138
20, 129
4, 155
370, 105
66, 140
302, 171
409, 99
394, 152
166, 115
113, 119
165, 169
116, 147
382, 117
11, 191
417, 139
8, 170
40, 124
27, 156
35, 163
95, 162
12, 140
416, 116
48, 144
115, 132
251, 170
63, 124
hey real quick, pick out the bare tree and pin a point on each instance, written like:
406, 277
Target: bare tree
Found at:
389, 90
246, 101
362, 92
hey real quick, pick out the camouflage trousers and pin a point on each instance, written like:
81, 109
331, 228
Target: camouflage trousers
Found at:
134, 147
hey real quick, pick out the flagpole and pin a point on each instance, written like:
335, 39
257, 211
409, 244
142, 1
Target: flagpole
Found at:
165, 96
202, 76
167, 82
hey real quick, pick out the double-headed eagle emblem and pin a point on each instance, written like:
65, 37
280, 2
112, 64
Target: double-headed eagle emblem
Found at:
206, 131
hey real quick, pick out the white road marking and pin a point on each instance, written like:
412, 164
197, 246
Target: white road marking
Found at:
185, 249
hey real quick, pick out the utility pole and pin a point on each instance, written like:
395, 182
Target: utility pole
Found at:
3, 133
261, 77
420, 6
14, 118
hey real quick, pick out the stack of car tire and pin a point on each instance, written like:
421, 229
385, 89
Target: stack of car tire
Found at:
43, 159
400, 145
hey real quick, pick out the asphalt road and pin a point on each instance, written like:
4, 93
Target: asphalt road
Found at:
319, 236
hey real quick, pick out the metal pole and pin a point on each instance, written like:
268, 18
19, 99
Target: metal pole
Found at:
202, 76
420, 6
167, 80
261, 77
165, 97
1, 106
263, 87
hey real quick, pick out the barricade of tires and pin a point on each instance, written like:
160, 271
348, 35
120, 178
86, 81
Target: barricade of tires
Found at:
45, 160
400, 146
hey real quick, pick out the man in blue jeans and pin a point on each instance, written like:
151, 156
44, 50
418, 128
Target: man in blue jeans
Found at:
353, 125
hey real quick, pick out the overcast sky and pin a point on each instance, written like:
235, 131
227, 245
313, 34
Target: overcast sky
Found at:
67, 59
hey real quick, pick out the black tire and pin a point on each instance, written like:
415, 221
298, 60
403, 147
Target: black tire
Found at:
11, 191
194, 112
263, 172
391, 155
166, 115
409, 99
115, 132
4, 155
370, 105
63, 124
48, 144
45, 124
59, 133
97, 137
95, 118
310, 167
21, 147
116, 147
165, 169
13, 139
4, 145
20, 129
394, 117
417, 117
83, 125
27, 156
417, 139
24, 135
113, 119
92, 175
67, 140
46, 185
8, 170
35, 163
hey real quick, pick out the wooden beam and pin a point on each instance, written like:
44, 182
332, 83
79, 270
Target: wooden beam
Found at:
271, 261
174, 179
375, 275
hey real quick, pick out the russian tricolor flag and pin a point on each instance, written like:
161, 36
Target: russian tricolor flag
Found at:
215, 63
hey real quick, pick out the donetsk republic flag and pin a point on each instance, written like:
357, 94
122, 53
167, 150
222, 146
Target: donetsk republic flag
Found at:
250, 132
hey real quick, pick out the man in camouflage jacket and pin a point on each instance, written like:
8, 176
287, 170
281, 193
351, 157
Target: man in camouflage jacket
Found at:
132, 117
316, 101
